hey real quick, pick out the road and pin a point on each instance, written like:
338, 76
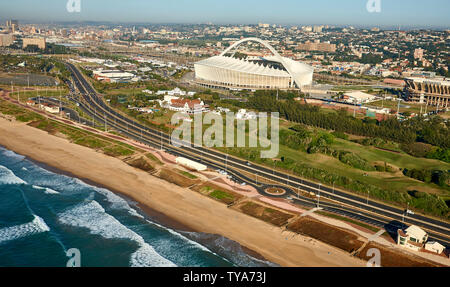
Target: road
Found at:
361, 208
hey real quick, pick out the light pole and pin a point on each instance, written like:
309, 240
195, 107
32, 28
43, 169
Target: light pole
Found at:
318, 197
368, 192
226, 162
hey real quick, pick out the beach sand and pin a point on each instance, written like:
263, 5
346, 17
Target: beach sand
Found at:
185, 208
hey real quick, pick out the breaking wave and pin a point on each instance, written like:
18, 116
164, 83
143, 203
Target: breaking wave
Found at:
91, 215
38, 225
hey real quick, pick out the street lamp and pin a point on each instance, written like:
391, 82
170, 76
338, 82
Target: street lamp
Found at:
226, 162
318, 197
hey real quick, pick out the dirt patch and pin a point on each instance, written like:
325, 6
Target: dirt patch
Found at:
264, 213
142, 164
395, 258
176, 178
327, 233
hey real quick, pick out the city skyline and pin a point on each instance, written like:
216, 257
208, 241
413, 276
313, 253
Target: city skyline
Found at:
284, 12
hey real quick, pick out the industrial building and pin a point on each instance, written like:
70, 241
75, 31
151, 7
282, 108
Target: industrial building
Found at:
272, 72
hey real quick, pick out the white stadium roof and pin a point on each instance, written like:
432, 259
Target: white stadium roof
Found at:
301, 74
238, 65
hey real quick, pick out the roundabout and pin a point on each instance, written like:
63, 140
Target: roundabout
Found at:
275, 190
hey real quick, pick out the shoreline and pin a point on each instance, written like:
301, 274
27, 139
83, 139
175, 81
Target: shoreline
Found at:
175, 207
147, 211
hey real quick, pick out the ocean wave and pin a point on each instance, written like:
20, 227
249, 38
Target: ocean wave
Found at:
177, 234
10, 154
229, 249
8, 177
91, 215
46, 189
38, 225
116, 201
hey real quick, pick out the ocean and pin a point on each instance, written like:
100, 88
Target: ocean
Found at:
45, 215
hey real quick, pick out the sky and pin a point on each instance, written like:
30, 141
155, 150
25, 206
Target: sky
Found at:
407, 13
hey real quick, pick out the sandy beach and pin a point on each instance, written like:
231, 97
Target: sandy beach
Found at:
184, 207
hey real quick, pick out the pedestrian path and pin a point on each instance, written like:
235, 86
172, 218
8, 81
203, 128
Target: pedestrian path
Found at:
311, 211
376, 235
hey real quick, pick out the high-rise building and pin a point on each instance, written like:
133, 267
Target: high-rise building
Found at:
12, 25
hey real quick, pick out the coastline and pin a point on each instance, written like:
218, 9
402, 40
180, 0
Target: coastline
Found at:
173, 206
149, 212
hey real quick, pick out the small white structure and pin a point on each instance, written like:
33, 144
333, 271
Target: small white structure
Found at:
175, 92
413, 237
190, 164
49, 108
359, 98
435, 247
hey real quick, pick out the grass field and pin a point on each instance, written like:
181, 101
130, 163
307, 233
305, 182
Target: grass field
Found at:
187, 174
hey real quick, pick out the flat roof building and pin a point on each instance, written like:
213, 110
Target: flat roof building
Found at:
39, 42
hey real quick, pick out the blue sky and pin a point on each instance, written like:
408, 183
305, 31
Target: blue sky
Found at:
417, 13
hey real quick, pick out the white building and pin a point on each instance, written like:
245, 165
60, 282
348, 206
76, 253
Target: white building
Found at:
435, 247
175, 92
412, 237
190, 164
49, 108
359, 98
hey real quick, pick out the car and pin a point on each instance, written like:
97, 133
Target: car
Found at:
243, 184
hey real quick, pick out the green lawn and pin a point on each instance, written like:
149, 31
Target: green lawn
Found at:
187, 174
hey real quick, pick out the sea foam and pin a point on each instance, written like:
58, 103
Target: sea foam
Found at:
8, 177
46, 189
38, 225
91, 215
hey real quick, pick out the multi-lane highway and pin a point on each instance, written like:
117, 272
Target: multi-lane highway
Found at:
344, 203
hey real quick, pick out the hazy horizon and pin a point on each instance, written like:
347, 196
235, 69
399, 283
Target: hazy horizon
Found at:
433, 14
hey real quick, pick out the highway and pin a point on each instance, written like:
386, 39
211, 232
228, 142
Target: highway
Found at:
357, 207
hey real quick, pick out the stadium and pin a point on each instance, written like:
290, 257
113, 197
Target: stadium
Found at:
252, 73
